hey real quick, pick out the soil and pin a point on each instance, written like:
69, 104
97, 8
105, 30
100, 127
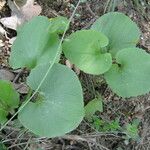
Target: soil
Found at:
85, 137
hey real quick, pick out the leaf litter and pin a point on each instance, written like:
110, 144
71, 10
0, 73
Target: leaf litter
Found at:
21, 12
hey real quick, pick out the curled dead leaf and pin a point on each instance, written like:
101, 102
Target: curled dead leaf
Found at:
2, 4
20, 15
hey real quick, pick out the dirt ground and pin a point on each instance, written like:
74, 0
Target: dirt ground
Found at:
85, 137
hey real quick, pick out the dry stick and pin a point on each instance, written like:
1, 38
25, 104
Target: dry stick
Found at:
46, 74
107, 4
18, 75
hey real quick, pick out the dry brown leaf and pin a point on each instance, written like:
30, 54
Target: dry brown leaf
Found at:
22, 88
6, 75
20, 15
71, 66
2, 4
2, 32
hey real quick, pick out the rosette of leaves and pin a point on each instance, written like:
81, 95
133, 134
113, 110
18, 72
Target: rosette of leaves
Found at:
112, 37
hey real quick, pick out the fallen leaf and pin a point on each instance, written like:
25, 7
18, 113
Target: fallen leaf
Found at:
22, 88
2, 32
20, 15
2, 4
6, 75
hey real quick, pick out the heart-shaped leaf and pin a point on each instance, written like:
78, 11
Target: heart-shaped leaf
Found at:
9, 99
121, 31
34, 44
86, 49
60, 108
130, 77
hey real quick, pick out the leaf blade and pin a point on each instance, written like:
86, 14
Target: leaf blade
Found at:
61, 110
34, 44
121, 31
83, 48
131, 78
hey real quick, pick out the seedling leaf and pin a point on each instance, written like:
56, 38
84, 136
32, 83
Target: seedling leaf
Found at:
92, 107
60, 108
132, 130
121, 31
131, 75
85, 49
35, 44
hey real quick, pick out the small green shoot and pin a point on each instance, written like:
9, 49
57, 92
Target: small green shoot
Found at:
92, 107
132, 131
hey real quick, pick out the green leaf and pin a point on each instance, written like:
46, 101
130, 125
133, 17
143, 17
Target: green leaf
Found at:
2, 146
60, 109
86, 49
121, 31
93, 106
35, 44
130, 77
113, 125
132, 130
59, 24
3, 116
9, 99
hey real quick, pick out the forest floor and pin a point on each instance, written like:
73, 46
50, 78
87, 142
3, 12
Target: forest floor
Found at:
86, 136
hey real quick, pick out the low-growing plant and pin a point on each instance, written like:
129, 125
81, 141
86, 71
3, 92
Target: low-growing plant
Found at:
102, 125
108, 49
131, 130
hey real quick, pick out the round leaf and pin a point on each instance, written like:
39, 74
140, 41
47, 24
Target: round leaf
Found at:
35, 44
60, 108
121, 31
85, 49
131, 76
